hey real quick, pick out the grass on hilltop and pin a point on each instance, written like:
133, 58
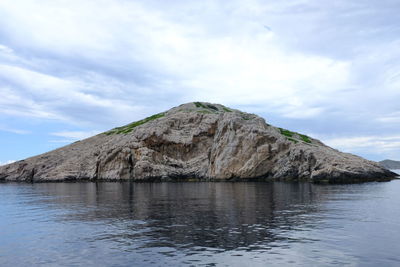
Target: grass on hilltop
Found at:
129, 127
295, 137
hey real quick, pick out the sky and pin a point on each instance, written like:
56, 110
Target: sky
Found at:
70, 69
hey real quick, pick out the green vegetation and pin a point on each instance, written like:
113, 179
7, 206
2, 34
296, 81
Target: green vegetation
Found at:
212, 107
305, 138
208, 108
286, 133
246, 116
295, 137
200, 105
205, 111
129, 127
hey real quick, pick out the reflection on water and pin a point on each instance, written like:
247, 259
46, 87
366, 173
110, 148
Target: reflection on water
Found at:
223, 224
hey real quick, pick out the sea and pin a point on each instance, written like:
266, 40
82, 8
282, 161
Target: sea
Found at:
199, 224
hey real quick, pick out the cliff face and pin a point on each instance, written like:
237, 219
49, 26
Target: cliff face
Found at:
196, 140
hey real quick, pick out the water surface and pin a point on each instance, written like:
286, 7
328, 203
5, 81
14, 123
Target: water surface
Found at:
199, 224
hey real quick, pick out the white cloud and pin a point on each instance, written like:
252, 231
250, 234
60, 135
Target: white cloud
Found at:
390, 118
45, 96
102, 63
74, 135
244, 65
373, 144
13, 130
6, 162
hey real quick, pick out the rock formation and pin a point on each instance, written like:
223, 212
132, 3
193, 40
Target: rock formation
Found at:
197, 141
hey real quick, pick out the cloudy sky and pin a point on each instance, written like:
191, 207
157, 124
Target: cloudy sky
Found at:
72, 68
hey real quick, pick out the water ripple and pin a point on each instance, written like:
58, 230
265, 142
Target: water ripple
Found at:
199, 224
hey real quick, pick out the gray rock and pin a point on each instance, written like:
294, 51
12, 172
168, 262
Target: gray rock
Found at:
197, 140
390, 164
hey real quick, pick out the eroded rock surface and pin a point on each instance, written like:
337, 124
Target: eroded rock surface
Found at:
197, 140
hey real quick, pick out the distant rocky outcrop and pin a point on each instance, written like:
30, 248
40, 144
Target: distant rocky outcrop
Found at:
197, 141
390, 164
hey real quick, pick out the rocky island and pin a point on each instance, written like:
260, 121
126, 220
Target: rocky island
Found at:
200, 141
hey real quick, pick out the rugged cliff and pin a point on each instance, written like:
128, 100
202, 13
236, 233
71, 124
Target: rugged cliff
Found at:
197, 140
